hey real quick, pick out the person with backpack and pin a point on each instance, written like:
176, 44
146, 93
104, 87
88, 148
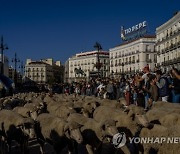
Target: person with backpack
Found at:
163, 86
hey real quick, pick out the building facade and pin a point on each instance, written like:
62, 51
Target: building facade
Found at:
168, 44
133, 56
44, 71
87, 64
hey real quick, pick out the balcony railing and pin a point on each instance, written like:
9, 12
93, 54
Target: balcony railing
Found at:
163, 51
148, 60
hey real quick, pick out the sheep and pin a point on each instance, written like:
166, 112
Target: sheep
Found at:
170, 119
160, 104
26, 112
7, 104
123, 120
15, 127
62, 111
111, 103
94, 133
58, 131
90, 106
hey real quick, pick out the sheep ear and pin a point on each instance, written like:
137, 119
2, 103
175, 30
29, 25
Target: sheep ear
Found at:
103, 127
132, 116
66, 128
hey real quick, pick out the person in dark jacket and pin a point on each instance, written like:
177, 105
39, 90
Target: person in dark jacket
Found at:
163, 86
175, 86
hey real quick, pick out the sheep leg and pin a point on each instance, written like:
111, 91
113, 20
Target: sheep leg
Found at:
89, 149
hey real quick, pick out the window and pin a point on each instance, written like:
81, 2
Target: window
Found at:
147, 48
147, 56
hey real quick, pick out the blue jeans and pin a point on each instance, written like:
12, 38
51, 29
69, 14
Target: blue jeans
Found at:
146, 100
175, 97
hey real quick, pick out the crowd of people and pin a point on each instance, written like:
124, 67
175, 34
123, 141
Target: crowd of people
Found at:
142, 89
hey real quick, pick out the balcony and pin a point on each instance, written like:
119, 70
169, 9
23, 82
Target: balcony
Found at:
137, 61
149, 60
133, 61
176, 60
163, 51
111, 65
178, 44
158, 52
166, 50
116, 64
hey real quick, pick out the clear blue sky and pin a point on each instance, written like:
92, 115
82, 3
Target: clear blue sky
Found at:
60, 28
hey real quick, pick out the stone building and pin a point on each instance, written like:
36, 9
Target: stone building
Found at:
86, 63
44, 71
168, 43
132, 56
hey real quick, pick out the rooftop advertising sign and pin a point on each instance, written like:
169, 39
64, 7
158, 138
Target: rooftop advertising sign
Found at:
134, 32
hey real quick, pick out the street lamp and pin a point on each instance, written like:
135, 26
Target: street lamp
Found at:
15, 60
98, 64
2, 47
22, 68
123, 68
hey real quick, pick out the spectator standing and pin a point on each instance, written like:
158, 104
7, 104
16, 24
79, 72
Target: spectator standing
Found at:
127, 93
152, 91
163, 86
175, 86
110, 90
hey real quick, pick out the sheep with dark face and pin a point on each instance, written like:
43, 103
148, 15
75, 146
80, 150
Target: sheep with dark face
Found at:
58, 132
16, 128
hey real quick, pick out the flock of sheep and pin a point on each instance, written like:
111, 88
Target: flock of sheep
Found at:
69, 124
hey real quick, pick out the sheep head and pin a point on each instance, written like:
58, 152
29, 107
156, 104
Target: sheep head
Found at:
72, 131
109, 128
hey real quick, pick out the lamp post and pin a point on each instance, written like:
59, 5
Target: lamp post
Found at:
22, 68
98, 64
123, 68
2, 47
15, 60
